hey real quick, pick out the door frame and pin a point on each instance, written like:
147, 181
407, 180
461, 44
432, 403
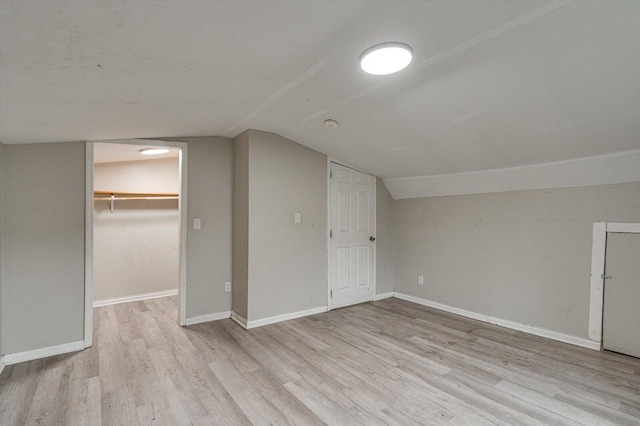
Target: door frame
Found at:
598, 263
88, 228
375, 218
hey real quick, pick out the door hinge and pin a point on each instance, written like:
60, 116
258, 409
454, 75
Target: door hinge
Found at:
330, 233
331, 292
330, 174
605, 277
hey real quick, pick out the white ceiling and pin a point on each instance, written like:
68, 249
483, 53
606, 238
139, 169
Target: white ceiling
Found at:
493, 84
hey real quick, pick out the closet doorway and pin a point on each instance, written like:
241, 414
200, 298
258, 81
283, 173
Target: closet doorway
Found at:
135, 224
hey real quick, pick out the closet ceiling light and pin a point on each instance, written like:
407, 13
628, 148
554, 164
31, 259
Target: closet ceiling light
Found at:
386, 58
153, 151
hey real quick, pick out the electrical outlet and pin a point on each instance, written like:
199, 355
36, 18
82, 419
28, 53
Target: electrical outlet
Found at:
227, 287
296, 217
420, 279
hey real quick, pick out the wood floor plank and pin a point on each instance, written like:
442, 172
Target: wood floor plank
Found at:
149, 329
18, 385
220, 405
150, 415
143, 378
248, 398
320, 404
262, 355
274, 392
532, 397
75, 407
390, 363
177, 382
94, 404
44, 410
243, 361
125, 315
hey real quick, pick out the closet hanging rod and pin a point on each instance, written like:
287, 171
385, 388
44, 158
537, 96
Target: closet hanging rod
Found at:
117, 198
130, 196
136, 194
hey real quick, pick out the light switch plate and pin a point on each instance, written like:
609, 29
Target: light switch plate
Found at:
197, 224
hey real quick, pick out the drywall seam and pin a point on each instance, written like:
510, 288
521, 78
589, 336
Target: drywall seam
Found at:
542, 332
318, 66
621, 167
208, 317
17, 357
135, 298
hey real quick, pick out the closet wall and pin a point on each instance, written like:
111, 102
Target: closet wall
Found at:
136, 247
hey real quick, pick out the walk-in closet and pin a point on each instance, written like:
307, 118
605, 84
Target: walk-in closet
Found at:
136, 223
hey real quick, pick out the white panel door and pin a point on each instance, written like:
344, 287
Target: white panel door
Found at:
621, 315
352, 236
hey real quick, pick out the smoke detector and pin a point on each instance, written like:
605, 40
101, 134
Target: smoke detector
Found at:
330, 123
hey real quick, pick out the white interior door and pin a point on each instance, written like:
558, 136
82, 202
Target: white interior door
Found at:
621, 315
352, 236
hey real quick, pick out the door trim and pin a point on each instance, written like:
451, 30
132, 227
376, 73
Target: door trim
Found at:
598, 258
375, 221
88, 229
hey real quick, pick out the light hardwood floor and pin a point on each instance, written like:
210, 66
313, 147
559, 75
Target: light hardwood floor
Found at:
389, 362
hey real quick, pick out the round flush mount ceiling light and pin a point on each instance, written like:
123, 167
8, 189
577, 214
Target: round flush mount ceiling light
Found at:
386, 58
153, 151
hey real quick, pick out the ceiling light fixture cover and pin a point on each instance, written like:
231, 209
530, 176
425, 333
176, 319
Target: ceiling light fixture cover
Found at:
386, 58
153, 151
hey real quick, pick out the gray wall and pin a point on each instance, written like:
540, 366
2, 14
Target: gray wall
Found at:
240, 284
136, 246
279, 267
2, 168
210, 198
385, 280
43, 245
153, 176
287, 261
43, 239
522, 256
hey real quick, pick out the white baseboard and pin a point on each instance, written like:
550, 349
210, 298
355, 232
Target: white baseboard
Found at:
278, 318
549, 334
134, 298
17, 357
382, 296
285, 317
208, 317
242, 321
2, 364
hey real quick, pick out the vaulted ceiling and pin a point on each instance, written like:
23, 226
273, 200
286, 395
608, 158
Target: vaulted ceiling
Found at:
494, 84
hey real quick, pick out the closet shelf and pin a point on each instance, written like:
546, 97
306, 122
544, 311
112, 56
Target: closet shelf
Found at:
113, 196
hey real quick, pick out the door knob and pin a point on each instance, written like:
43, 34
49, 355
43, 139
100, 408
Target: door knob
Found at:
372, 238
